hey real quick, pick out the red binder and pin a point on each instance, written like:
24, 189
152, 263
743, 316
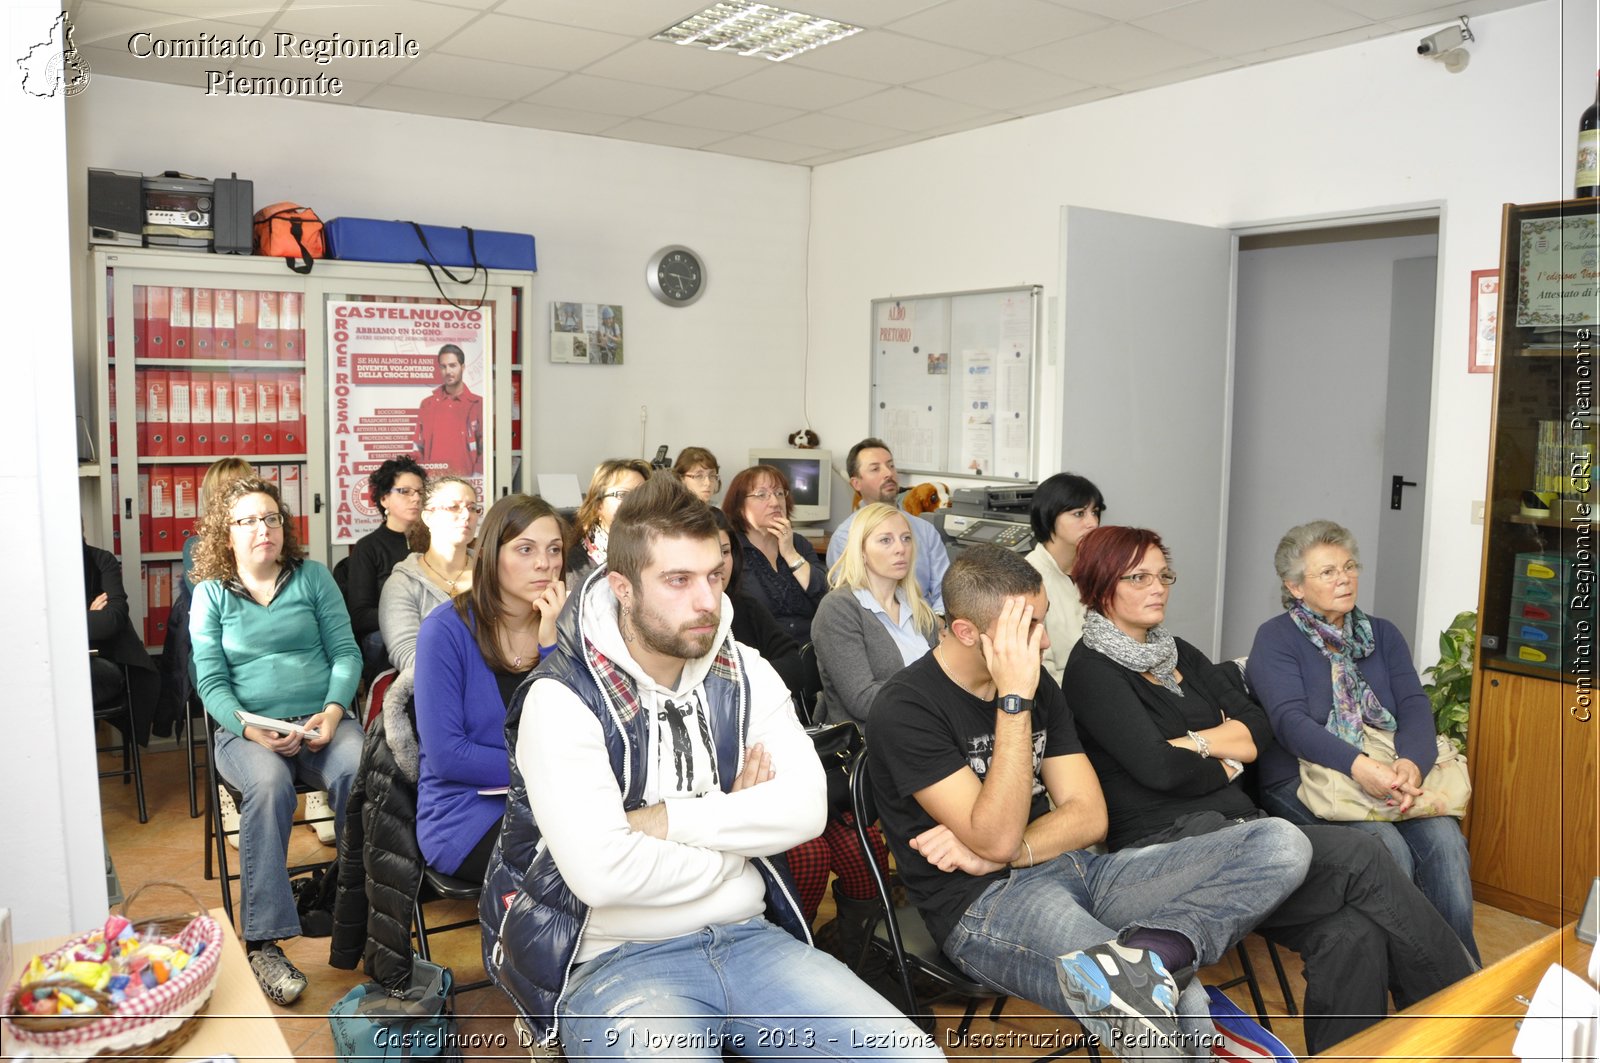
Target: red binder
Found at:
180, 413
244, 328
267, 338
159, 411
224, 440
161, 523
158, 327
139, 325
291, 337
142, 501
181, 322
291, 415
223, 321
200, 414
244, 413
185, 485
111, 411
267, 441
294, 497
204, 318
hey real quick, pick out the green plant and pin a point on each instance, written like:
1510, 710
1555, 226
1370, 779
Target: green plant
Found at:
1450, 689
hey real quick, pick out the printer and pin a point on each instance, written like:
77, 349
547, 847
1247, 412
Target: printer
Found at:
997, 515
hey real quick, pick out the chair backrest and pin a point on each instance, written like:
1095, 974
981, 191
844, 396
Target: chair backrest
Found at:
810, 682
865, 807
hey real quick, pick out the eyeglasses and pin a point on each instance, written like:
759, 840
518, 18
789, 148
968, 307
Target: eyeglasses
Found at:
776, 494
405, 492
1331, 573
271, 520
704, 476
1142, 579
456, 509
617, 493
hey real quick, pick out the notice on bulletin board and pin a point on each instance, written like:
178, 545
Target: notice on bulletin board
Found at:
952, 382
407, 379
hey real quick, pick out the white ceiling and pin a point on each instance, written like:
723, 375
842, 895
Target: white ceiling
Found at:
922, 69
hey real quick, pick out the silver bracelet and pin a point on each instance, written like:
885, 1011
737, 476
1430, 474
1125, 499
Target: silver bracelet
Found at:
1028, 847
797, 563
1201, 746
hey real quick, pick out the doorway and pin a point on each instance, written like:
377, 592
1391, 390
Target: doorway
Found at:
1333, 377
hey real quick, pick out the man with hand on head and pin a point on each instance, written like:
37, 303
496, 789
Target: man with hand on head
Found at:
872, 474
990, 805
658, 773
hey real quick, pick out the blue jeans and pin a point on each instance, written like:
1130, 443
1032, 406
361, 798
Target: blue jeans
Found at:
1432, 852
1211, 889
266, 781
748, 987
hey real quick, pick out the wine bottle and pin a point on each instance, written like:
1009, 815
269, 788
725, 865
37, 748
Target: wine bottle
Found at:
1587, 181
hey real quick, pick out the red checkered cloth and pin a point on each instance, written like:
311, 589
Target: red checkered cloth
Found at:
836, 850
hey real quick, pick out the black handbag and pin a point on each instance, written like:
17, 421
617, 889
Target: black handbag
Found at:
837, 745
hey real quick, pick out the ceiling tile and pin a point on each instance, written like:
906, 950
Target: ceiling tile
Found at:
543, 44
580, 92
907, 110
830, 132
681, 66
632, 17
1121, 10
673, 136
719, 112
534, 116
1385, 9
999, 85
1169, 77
996, 26
428, 24
762, 148
1112, 55
438, 72
1406, 49
785, 83
1233, 27
888, 57
110, 26
856, 13
1088, 95
418, 101
156, 13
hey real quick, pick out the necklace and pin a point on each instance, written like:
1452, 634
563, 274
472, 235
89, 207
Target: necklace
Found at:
511, 646
448, 581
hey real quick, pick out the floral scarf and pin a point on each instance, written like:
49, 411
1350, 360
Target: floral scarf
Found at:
1354, 703
596, 543
1157, 654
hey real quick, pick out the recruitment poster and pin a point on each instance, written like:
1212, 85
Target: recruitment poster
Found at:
406, 379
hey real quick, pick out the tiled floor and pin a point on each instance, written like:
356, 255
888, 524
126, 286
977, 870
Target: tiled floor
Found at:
171, 847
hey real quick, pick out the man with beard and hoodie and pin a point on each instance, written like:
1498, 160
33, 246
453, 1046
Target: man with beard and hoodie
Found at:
658, 774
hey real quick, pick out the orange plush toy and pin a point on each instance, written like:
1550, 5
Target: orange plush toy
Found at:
925, 498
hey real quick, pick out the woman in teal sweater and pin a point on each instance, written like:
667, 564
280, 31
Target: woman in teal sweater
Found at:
271, 636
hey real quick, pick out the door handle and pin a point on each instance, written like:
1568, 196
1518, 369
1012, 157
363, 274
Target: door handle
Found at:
1395, 484
316, 502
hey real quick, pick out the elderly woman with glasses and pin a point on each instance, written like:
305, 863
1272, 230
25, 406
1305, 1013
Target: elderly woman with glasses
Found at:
440, 569
697, 468
610, 484
781, 569
271, 636
1323, 668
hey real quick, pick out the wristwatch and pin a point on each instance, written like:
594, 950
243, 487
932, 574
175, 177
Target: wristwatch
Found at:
1012, 704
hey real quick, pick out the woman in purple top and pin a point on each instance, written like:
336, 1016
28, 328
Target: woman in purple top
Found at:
1323, 669
473, 652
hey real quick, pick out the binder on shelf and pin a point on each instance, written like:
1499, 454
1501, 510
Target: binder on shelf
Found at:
204, 322
140, 338
180, 323
244, 413
179, 413
158, 412
516, 410
200, 414
141, 411
291, 340
223, 439
185, 487
141, 498
291, 415
292, 485
158, 326
267, 439
161, 522
245, 313
267, 324
111, 410
223, 321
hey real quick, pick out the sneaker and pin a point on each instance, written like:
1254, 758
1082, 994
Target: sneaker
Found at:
320, 813
280, 980
230, 815
1125, 997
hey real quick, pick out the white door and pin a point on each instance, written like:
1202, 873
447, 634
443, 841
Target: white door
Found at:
1146, 330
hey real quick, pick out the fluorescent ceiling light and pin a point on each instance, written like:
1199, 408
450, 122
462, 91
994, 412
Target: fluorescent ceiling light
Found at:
750, 28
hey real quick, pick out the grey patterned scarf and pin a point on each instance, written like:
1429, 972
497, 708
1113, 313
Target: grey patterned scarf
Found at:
1157, 654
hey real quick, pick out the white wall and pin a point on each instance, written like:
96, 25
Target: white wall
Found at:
1360, 129
722, 373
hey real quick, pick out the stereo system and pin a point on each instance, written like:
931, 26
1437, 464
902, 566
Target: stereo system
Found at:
171, 210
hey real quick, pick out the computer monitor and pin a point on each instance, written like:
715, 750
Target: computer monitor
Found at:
810, 474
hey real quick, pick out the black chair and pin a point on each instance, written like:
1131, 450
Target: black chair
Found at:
810, 683
436, 885
900, 933
115, 706
216, 837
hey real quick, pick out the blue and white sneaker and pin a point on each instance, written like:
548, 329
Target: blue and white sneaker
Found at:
1125, 997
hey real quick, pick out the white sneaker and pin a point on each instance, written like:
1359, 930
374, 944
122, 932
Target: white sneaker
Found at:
321, 814
230, 815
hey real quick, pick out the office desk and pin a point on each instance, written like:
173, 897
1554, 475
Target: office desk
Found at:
237, 1019
1475, 1018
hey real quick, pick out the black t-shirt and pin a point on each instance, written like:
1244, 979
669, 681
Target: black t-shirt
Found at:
1125, 721
372, 558
924, 728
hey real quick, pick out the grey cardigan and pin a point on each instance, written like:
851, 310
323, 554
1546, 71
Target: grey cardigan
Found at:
408, 596
855, 654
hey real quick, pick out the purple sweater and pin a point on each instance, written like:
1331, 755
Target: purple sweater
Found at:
461, 731
1294, 681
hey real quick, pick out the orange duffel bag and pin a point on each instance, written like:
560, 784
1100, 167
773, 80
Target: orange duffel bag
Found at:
290, 232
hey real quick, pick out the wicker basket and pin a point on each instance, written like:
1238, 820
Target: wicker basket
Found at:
151, 1024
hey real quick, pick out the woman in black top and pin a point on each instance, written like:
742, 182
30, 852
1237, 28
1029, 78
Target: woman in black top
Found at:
753, 625
1169, 734
395, 487
781, 569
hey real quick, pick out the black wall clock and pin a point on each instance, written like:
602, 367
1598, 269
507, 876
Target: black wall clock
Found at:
676, 275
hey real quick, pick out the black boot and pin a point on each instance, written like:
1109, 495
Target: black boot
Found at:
853, 921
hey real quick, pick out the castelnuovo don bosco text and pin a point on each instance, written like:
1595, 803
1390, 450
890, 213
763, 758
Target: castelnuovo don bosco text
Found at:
317, 50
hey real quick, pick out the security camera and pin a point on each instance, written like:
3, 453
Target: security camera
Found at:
1437, 44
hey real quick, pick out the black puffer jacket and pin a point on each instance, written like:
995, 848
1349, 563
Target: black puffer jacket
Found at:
380, 866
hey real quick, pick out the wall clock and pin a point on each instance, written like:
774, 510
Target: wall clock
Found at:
676, 275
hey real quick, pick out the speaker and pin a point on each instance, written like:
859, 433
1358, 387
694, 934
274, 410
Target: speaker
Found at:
234, 208
116, 207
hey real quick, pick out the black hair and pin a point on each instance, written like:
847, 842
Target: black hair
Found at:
735, 548
981, 578
381, 482
451, 348
852, 461
1061, 493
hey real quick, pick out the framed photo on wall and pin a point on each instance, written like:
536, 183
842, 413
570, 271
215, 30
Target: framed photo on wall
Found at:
1485, 324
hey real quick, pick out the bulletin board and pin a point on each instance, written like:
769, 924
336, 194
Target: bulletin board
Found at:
952, 381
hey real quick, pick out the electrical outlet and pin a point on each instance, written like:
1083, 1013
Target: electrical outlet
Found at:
1477, 511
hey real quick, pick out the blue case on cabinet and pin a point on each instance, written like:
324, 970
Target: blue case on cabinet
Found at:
370, 240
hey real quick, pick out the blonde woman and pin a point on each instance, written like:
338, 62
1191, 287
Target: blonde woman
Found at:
610, 484
874, 622
440, 569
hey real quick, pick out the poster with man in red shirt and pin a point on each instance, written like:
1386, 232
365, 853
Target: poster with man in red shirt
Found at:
450, 421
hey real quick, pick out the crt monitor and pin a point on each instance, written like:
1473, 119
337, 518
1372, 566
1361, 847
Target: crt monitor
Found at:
810, 474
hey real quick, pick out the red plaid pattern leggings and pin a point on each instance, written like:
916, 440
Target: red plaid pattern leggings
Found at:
836, 849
